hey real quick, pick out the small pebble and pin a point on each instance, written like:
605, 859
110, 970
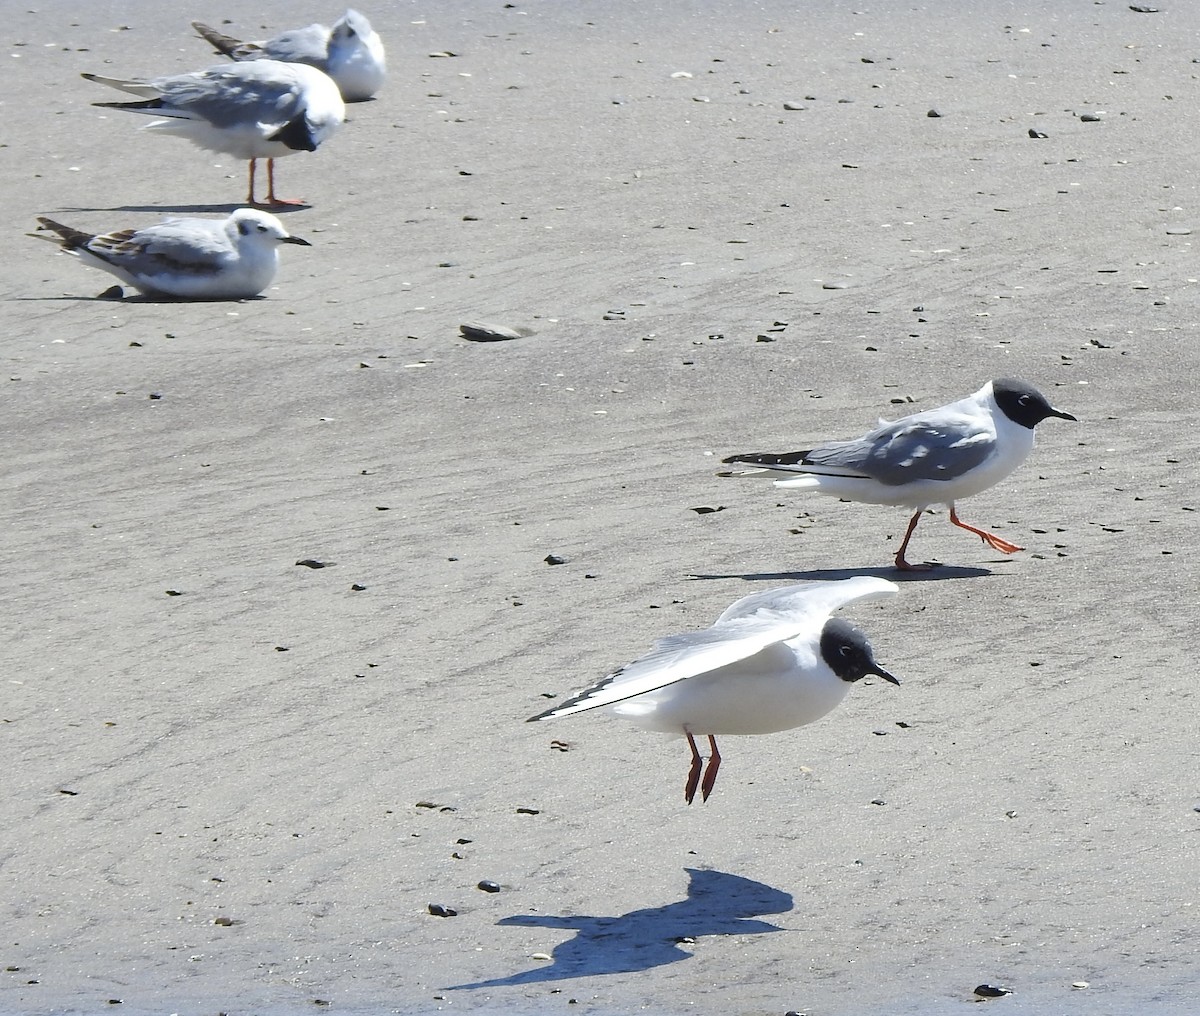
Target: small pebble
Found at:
440, 910
1037, 134
112, 293
555, 559
488, 886
992, 991
1080, 984
790, 106
933, 114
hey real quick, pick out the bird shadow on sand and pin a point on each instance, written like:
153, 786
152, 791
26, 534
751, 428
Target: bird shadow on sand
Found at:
223, 209
133, 298
717, 903
938, 573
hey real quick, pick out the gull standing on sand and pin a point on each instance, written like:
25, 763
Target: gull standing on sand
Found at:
772, 661
936, 457
260, 109
350, 52
191, 259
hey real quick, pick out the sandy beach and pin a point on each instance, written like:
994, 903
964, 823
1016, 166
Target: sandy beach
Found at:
238, 782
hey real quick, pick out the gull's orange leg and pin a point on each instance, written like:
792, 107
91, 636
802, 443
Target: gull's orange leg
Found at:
272, 199
693, 780
991, 539
710, 774
901, 563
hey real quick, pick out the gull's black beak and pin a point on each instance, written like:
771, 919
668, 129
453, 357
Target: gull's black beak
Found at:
304, 243
880, 672
1063, 416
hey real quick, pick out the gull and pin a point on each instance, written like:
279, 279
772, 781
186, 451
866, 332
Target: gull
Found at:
192, 259
772, 661
260, 109
936, 457
350, 52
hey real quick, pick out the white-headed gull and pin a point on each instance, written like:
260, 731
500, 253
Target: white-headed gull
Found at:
350, 52
191, 259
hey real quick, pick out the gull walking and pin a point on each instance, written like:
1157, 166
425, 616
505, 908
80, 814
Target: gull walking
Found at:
772, 661
350, 52
936, 457
191, 259
261, 109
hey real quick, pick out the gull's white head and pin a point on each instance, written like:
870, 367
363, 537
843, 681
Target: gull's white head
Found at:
252, 228
356, 59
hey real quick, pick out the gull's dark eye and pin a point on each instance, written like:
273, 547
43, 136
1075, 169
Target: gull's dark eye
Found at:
262, 228
1024, 400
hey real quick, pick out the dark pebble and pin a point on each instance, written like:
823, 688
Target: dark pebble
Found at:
554, 559
1037, 134
992, 991
440, 910
112, 293
486, 331
933, 114
309, 562
1139, 9
488, 886
528, 811
174, 592
358, 588
705, 509
1090, 118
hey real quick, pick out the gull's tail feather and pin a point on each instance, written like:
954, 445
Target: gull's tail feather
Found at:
131, 85
226, 45
68, 237
767, 465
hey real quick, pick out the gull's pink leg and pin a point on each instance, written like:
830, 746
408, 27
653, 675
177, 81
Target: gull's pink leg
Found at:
693, 779
710, 774
250, 198
901, 563
991, 539
271, 197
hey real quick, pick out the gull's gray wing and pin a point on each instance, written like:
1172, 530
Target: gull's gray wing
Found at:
300, 45
745, 628
267, 92
194, 245
929, 446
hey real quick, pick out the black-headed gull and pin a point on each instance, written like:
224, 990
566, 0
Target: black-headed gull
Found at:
190, 259
350, 52
772, 661
936, 457
260, 109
